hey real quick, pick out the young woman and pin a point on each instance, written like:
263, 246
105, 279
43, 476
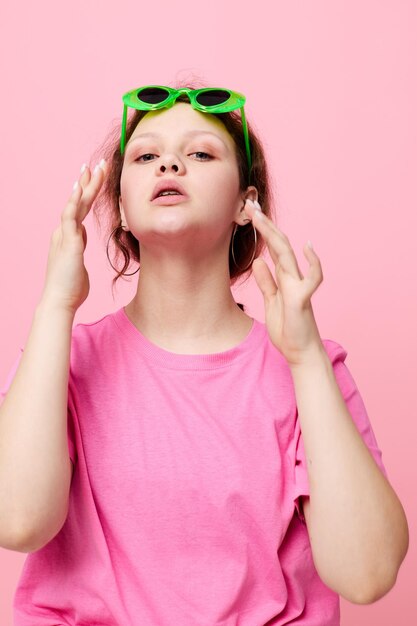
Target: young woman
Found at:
221, 470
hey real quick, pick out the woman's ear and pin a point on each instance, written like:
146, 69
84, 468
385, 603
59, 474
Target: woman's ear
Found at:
251, 193
122, 212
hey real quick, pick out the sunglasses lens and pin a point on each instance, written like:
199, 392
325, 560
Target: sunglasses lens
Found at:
153, 95
213, 97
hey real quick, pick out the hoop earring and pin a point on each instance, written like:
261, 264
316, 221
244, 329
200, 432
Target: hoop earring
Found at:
254, 249
107, 252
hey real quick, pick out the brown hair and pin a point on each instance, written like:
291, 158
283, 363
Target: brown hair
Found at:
106, 206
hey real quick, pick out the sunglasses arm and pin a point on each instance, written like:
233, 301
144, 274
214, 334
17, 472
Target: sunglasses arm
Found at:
245, 132
123, 134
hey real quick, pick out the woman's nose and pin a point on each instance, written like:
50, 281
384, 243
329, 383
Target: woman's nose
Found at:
174, 166
170, 162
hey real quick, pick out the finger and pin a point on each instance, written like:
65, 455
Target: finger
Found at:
81, 198
314, 275
77, 191
85, 175
278, 243
91, 189
264, 278
68, 221
84, 180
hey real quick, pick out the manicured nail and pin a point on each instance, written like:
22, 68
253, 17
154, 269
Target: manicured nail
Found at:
83, 168
310, 245
102, 163
257, 205
97, 167
75, 185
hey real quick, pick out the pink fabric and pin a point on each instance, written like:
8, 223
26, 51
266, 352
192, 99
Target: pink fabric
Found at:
184, 500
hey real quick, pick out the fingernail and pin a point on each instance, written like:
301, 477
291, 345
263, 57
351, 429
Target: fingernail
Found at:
102, 163
310, 245
75, 185
97, 167
83, 168
256, 203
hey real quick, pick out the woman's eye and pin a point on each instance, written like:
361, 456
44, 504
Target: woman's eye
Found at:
144, 155
208, 155
205, 154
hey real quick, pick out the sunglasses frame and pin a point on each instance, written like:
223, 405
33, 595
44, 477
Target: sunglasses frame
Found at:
236, 101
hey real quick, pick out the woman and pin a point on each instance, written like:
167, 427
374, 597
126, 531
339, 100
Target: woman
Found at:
190, 423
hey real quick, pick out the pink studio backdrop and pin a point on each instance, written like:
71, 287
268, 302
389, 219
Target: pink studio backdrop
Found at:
331, 90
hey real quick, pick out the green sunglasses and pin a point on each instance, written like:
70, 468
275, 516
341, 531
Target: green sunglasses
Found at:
207, 100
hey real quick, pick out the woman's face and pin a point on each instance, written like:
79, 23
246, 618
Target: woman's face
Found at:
194, 149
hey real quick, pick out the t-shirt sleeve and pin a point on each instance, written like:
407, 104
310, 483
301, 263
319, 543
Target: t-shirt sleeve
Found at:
70, 427
357, 410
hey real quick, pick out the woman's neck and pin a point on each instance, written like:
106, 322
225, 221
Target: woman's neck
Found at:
188, 314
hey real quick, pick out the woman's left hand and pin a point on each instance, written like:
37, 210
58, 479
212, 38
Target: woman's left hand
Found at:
289, 315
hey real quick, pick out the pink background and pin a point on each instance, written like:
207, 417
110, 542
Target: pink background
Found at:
331, 89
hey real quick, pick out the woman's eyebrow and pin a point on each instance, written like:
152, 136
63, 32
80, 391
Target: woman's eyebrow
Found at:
188, 133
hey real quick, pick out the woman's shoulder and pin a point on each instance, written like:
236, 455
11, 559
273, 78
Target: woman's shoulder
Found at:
97, 332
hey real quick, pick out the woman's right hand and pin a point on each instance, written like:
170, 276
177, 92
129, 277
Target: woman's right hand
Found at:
67, 284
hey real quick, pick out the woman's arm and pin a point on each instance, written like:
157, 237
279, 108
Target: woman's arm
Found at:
35, 470
357, 526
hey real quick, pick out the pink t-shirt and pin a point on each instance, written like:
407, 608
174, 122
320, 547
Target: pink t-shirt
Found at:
184, 501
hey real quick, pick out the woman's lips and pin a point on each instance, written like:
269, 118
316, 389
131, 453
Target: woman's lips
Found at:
174, 199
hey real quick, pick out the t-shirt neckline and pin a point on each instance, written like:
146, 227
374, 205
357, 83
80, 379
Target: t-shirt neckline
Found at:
172, 360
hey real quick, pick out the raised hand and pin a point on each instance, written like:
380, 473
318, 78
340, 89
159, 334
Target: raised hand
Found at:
289, 316
67, 284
